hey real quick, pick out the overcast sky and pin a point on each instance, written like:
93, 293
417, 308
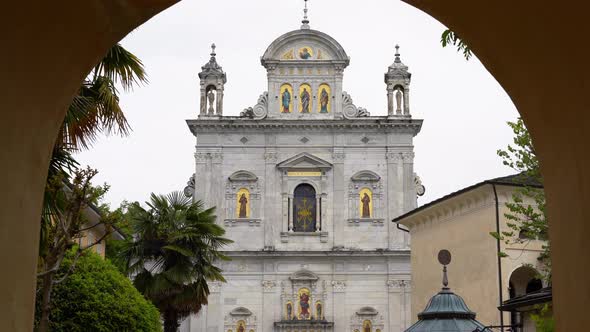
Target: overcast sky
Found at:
464, 109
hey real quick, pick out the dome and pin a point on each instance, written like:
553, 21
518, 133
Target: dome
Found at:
446, 312
305, 45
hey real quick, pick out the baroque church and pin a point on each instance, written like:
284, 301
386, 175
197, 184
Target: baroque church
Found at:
305, 182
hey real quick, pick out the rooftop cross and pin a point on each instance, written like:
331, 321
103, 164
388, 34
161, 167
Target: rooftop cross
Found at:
397, 59
305, 21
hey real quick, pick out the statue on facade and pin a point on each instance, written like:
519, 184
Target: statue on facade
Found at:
398, 100
286, 101
211, 97
366, 211
324, 99
305, 97
243, 204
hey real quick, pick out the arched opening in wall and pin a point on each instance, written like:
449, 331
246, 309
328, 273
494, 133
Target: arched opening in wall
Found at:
523, 280
366, 203
211, 96
304, 208
243, 203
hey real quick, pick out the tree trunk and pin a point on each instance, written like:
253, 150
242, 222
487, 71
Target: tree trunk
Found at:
46, 285
171, 321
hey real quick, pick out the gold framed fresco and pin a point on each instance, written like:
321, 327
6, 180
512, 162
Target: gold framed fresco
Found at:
366, 203
243, 203
319, 310
289, 310
305, 97
305, 53
241, 327
286, 98
324, 98
367, 326
303, 304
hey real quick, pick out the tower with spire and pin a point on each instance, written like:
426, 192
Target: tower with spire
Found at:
212, 80
398, 80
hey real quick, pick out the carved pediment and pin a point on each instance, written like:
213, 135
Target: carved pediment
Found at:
243, 176
303, 275
367, 311
240, 311
304, 161
365, 176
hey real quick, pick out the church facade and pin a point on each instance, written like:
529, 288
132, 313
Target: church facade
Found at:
305, 183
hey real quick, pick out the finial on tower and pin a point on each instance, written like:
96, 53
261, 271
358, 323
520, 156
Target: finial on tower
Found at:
397, 59
444, 257
305, 21
213, 50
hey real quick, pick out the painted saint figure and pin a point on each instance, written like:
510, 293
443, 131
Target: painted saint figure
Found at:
289, 311
243, 204
366, 212
305, 97
324, 98
318, 310
286, 101
304, 304
241, 328
304, 54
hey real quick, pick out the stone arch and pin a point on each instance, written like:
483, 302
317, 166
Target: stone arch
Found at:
276, 49
524, 279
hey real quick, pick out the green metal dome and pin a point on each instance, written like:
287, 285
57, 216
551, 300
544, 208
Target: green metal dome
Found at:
447, 312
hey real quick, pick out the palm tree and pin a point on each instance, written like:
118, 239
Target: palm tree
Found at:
172, 254
95, 109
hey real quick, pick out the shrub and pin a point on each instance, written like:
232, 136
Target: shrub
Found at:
97, 297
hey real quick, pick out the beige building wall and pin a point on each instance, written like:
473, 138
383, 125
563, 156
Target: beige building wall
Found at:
462, 224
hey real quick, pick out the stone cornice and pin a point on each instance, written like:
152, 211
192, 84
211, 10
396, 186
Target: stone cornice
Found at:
331, 253
214, 124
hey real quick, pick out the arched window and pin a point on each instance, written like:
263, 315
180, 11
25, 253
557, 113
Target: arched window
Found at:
366, 203
304, 208
533, 285
243, 203
286, 98
324, 103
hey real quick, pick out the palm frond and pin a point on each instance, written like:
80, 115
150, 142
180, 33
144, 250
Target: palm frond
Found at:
121, 66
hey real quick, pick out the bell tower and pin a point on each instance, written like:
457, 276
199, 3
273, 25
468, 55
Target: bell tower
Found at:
398, 80
212, 80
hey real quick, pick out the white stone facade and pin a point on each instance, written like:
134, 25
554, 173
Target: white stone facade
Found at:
323, 248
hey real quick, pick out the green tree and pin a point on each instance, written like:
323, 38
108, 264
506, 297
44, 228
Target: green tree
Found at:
172, 254
97, 297
94, 110
527, 216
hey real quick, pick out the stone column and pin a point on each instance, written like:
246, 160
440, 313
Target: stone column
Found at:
219, 97
318, 213
398, 305
407, 100
214, 313
338, 199
271, 310
394, 196
390, 100
270, 202
290, 207
216, 192
339, 305
203, 101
